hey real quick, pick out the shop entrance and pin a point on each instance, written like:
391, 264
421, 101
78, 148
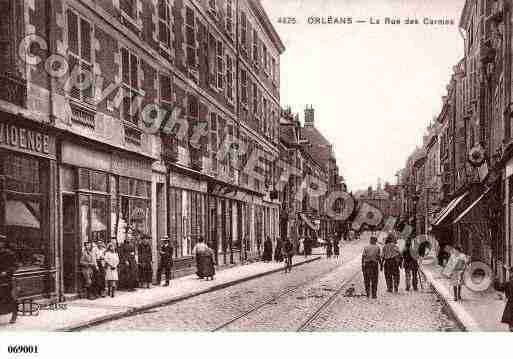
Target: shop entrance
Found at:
69, 245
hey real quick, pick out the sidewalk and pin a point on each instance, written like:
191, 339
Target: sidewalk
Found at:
478, 311
81, 313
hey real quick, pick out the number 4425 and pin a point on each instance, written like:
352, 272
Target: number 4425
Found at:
287, 20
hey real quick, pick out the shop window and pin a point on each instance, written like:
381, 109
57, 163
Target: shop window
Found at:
23, 208
99, 210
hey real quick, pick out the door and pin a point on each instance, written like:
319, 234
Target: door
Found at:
70, 239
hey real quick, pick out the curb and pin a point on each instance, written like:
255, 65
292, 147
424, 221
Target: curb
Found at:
457, 311
135, 310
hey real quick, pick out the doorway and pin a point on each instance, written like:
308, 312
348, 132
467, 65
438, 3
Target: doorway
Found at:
69, 246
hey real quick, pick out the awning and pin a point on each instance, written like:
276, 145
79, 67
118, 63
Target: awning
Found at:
20, 214
448, 209
308, 222
475, 212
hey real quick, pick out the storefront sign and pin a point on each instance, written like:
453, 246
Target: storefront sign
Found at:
130, 166
180, 181
23, 139
81, 156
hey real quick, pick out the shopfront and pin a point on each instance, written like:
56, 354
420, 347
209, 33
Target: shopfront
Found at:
105, 196
27, 206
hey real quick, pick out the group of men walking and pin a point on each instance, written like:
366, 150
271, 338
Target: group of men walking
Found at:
389, 259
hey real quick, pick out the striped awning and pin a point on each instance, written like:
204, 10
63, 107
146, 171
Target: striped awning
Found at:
442, 216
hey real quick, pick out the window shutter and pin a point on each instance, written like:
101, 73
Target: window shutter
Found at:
212, 51
134, 71
73, 32
85, 37
125, 66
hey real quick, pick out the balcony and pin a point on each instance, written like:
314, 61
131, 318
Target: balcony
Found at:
13, 89
82, 115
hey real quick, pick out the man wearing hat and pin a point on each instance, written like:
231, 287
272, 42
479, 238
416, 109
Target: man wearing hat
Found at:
7, 284
166, 260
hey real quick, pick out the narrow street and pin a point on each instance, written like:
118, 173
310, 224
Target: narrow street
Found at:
297, 301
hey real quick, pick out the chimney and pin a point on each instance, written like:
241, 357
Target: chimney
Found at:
309, 116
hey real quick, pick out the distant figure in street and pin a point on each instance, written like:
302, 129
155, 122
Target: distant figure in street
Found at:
288, 253
204, 260
329, 247
267, 255
88, 267
336, 248
456, 265
111, 260
8, 266
507, 288
411, 266
278, 255
145, 261
166, 261
371, 259
392, 261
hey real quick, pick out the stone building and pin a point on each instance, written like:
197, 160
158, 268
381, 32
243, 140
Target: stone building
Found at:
123, 118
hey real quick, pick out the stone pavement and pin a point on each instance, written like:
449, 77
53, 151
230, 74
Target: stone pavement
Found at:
81, 313
478, 311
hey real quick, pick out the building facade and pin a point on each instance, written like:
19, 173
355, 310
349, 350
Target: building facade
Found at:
89, 147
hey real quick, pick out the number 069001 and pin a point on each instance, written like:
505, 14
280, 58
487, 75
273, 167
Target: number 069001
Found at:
22, 349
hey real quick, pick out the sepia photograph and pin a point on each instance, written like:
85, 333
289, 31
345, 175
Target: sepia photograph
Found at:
254, 167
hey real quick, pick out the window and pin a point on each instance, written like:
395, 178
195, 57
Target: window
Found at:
229, 17
166, 93
192, 107
129, 7
265, 124
266, 62
80, 56
244, 86
164, 12
243, 29
229, 78
255, 47
255, 99
24, 207
273, 69
220, 65
130, 78
190, 38
213, 140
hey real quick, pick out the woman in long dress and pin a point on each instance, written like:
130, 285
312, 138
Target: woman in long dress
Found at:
111, 260
267, 256
455, 269
204, 260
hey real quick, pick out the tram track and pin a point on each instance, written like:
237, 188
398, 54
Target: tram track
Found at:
310, 318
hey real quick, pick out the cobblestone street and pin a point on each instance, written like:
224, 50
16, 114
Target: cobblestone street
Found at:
285, 301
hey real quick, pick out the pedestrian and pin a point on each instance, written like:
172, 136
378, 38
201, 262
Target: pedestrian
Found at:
411, 266
336, 248
392, 262
111, 262
455, 269
145, 261
371, 259
166, 261
288, 253
204, 260
278, 255
8, 290
99, 254
127, 254
329, 248
507, 288
267, 255
88, 266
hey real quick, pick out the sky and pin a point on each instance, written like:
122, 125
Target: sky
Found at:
374, 87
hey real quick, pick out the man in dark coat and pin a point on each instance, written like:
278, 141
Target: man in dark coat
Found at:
166, 260
288, 253
8, 267
371, 262
278, 255
411, 266
267, 255
145, 261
